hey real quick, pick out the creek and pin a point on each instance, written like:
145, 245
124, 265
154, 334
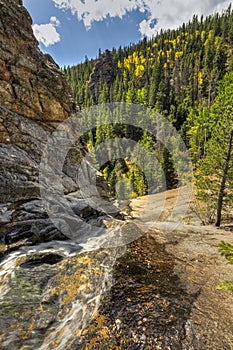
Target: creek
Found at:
59, 295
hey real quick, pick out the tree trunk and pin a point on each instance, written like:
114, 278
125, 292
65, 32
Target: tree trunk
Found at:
223, 183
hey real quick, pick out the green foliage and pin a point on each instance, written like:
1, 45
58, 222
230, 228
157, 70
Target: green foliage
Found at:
176, 73
176, 67
214, 177
226, 286
168, 168
226, 249
198, 133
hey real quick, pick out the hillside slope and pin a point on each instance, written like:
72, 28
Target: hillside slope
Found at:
178, 73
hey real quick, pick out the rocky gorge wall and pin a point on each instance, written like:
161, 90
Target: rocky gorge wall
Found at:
34, 99
31, 84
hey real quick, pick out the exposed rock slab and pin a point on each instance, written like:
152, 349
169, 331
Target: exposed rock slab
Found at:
200, 268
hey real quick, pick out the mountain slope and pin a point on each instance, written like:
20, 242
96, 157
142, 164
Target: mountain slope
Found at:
176, 73
184, 65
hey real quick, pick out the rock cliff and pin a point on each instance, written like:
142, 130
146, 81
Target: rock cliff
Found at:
103, 72
31, 84
34, 98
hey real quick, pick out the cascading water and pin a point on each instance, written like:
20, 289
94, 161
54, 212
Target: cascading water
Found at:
68, 288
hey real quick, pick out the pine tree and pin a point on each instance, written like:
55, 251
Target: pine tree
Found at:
215, 178
176, 73
168, 168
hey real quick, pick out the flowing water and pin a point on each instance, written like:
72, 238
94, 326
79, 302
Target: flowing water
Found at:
59, 295
49, 293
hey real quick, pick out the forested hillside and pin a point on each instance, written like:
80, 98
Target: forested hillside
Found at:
177, 73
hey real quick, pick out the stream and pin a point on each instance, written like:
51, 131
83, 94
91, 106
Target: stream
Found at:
59, 295
49, 293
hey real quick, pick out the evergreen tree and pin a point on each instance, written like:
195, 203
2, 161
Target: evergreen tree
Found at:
177, 74
215, 173
168, 168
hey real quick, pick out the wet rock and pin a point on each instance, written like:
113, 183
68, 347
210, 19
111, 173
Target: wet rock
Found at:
5, 214
32, 232
50, 297
83, 210
39, 259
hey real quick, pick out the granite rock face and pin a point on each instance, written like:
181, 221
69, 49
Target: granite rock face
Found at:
34, 100
103, 70
31, 84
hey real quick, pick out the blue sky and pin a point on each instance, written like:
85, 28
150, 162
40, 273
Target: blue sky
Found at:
70, 30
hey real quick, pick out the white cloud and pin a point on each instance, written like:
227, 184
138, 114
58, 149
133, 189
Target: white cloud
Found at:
54, 21
47, 33
172, 13
97, 10
168, 13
